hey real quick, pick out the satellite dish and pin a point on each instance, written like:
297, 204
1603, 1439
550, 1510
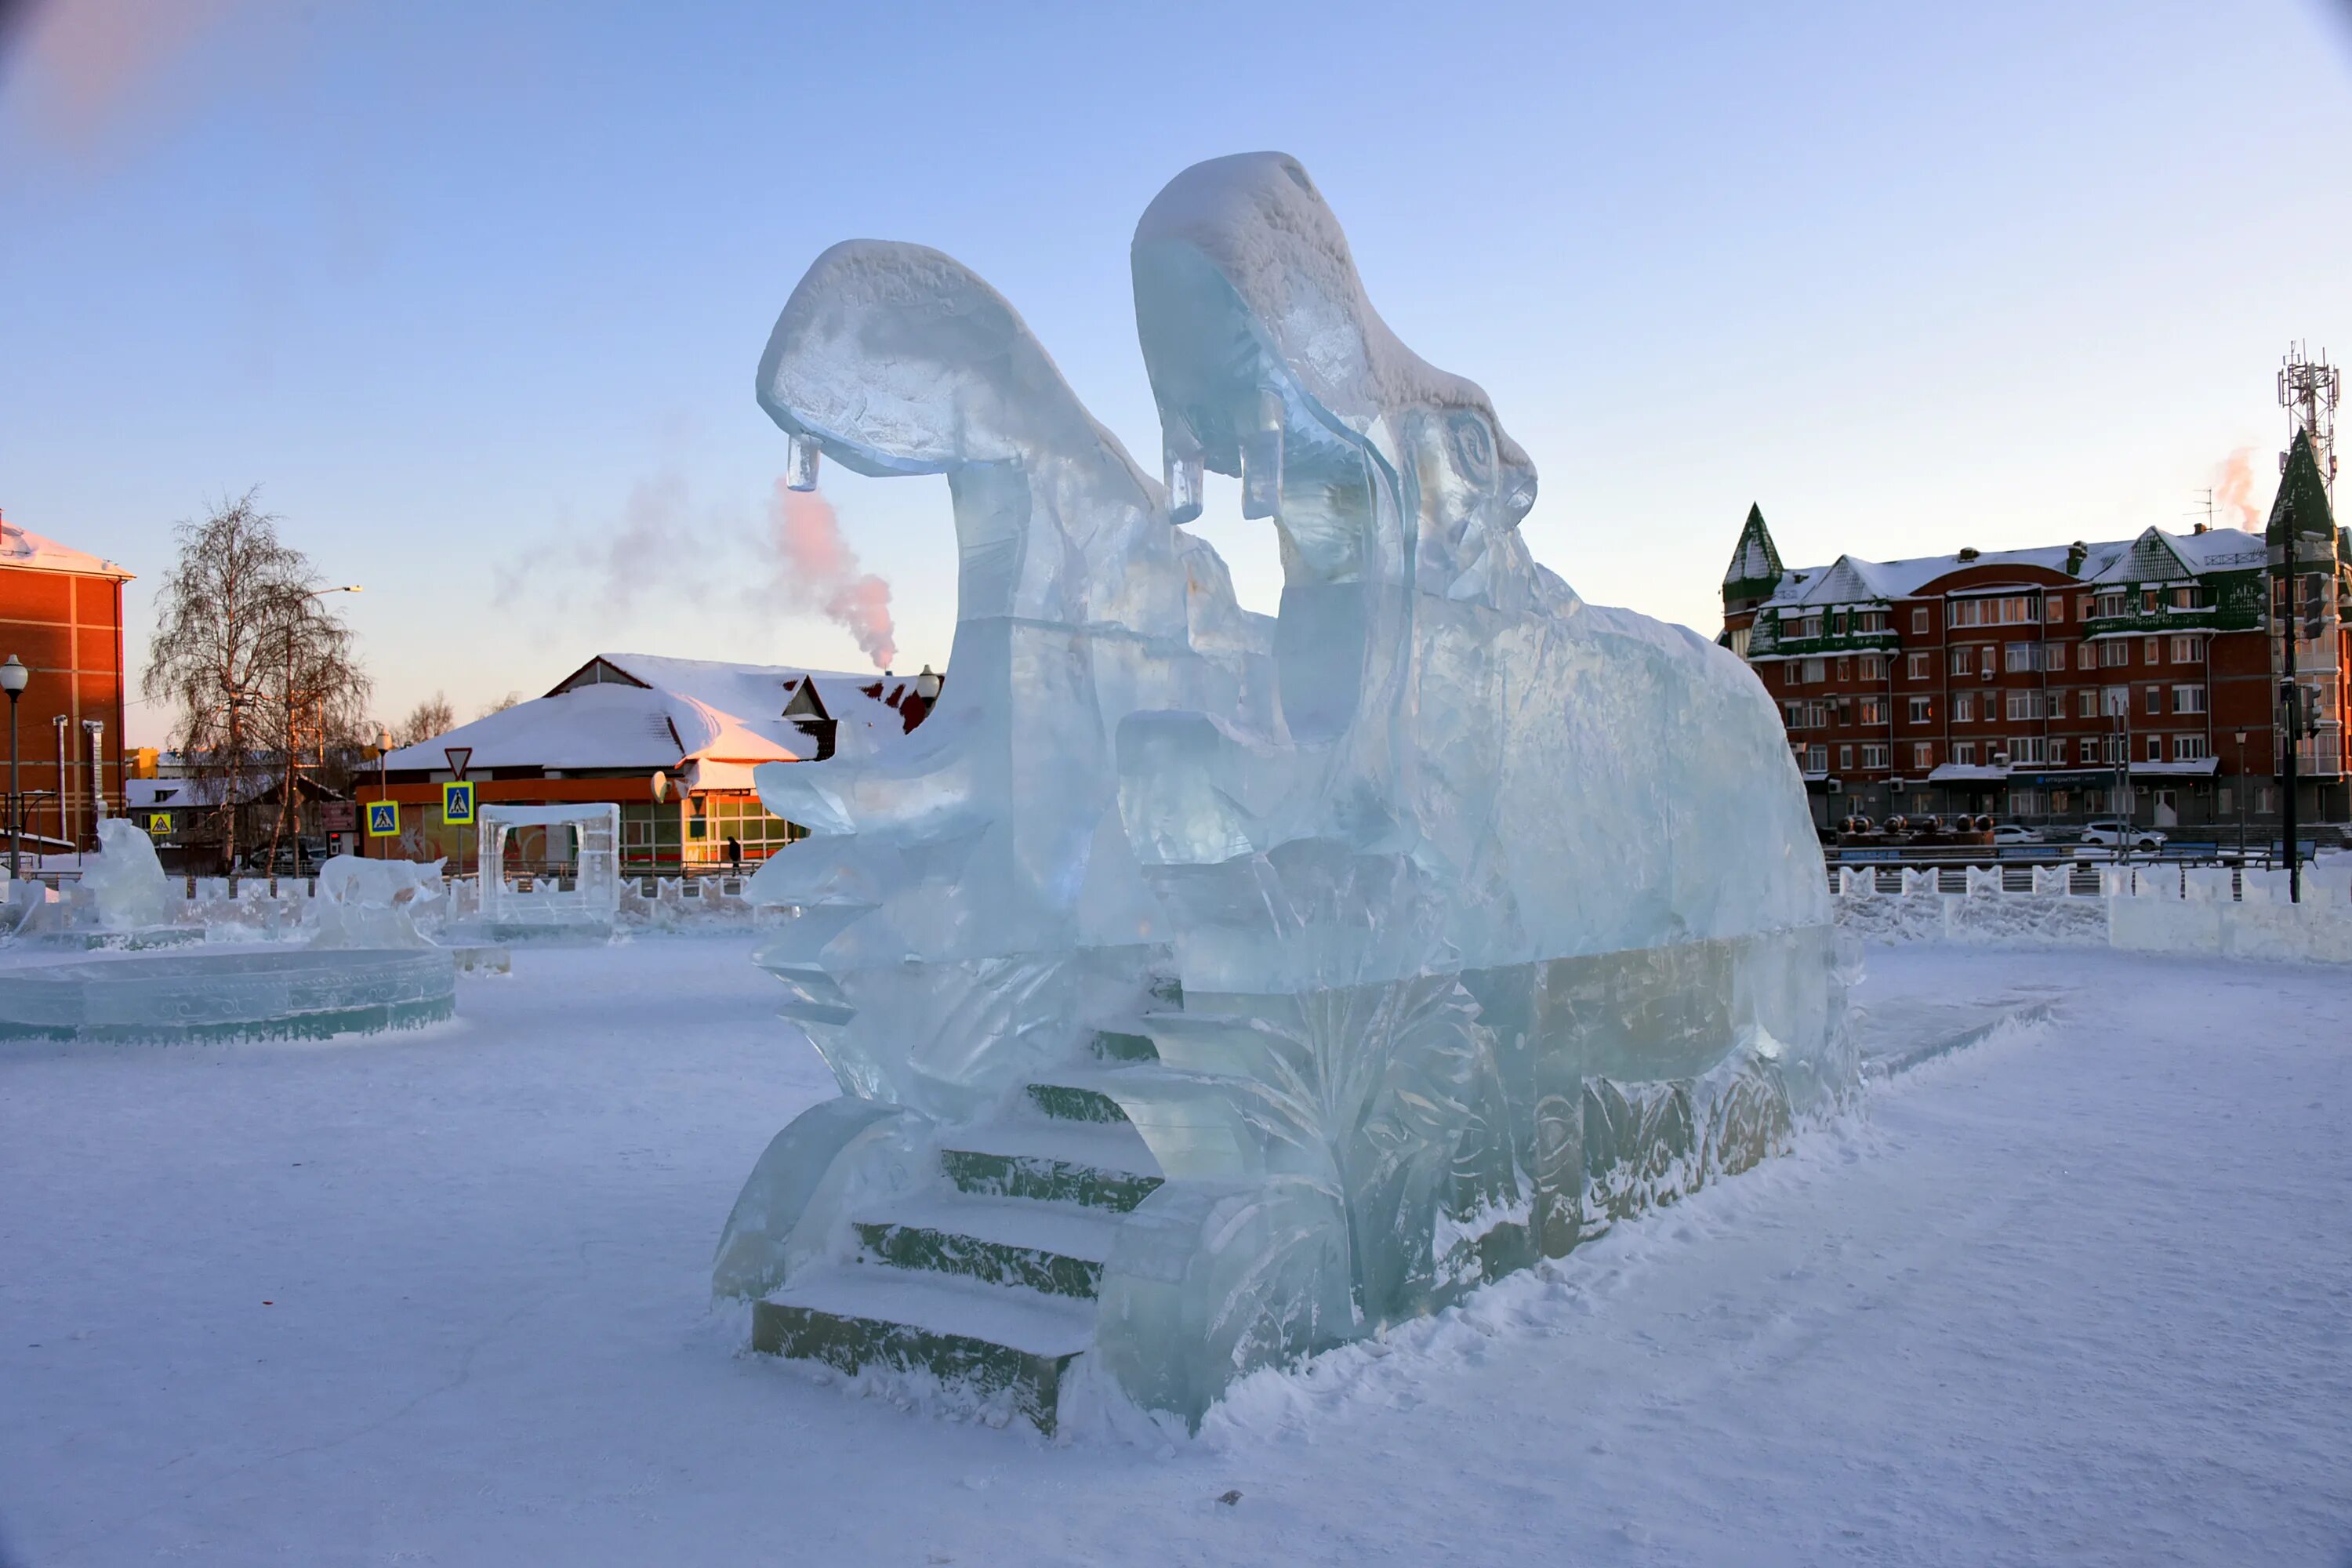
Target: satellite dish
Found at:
661, 786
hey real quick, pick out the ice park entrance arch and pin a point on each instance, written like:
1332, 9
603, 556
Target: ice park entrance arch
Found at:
587, 836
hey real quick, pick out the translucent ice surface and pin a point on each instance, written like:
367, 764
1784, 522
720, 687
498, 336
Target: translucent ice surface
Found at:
126, 881
282, 994
1341, 960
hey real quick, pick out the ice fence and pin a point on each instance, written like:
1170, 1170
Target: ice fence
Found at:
1205, 988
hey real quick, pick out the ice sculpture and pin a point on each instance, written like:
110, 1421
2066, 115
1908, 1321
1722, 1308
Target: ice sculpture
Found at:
1204, 991
126, 882
369, 903
588, 907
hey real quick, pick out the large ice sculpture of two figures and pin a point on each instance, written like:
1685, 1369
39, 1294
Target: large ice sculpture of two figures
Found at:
1205, 989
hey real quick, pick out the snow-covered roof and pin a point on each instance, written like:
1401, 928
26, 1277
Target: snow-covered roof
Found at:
23, 548
2154, 556
629, 711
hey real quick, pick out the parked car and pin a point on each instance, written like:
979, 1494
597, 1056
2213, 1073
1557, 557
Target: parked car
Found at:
2015, 833
285, 863
2115, 834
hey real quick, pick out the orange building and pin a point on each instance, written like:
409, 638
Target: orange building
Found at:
61, 614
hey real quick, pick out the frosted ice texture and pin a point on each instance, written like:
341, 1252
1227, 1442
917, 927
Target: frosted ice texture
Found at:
126, 881
370, 903
1459, 916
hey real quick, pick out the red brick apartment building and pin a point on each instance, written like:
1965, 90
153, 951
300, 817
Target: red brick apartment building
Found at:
2058, 684
61, 616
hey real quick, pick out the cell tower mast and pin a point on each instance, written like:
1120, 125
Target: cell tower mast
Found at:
2309, 389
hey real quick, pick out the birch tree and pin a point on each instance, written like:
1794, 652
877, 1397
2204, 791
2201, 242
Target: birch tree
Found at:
249, 656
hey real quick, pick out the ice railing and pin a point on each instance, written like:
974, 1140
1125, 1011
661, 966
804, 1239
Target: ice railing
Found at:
2218, 911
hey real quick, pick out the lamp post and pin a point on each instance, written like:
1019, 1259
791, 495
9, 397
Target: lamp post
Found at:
2241, 797
13, 678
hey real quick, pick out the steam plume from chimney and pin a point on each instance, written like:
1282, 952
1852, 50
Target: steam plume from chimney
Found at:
2234, 490
819, 572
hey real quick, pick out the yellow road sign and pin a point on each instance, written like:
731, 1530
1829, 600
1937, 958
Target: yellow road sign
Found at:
383, 818
457, 803
158, 824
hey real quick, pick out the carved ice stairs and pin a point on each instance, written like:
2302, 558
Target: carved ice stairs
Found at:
988, 1278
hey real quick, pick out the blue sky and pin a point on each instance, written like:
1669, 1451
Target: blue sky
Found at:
476, 293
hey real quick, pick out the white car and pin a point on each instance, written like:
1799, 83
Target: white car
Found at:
2015, 833
2115, 834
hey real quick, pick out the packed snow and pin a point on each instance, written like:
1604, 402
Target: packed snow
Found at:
2073, 1294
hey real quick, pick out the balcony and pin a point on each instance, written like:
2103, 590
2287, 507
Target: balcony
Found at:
1781, 645
2162, 620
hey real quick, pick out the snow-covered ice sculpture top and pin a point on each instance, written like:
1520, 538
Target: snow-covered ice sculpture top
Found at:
1453, 910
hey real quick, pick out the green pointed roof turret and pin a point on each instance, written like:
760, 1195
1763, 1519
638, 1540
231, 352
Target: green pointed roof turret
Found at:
2302, 503
1755, 570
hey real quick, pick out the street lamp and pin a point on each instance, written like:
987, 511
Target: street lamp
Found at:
382, 774
2241, 797
13, 678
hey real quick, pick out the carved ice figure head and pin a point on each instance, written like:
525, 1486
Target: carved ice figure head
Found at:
1270, 364
365, 903
895, 359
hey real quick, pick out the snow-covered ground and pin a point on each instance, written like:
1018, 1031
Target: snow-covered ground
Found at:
2080, 1294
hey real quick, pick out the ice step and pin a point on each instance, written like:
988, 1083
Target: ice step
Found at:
995, 1340
1055, 1248
1101, 1164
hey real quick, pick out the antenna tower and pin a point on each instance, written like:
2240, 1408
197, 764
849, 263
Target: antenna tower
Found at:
2309, 389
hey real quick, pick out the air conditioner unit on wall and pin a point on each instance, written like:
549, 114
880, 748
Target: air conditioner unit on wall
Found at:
1837, 786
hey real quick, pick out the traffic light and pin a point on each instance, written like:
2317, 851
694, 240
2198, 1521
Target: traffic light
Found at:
2315, 606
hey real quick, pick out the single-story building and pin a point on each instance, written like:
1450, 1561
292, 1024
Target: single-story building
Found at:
672, 741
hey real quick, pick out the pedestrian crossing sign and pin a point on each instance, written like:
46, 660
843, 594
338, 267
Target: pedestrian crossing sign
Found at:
158, 824
457, 803
383, 818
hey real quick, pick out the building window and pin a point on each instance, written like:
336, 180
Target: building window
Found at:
2265, 798
1874, 667
1868, 621
2185, 599
2025, 802
2189, 699
2156, 748
2111, 601
2006, 610
2083, 607
1817, 759
1815, 672
2114, 702
2153, 700
2055, 607
1964, 706
2025, 751
1812, 624
1915, 666
1845, 759
1740, 636
1873, 711
1959, 661
2058, 752
1873, 757
1964, 752
1923, 710
2086, 703
1817, 715
1919, 622
2188, 650
1794, 713
2114, 654
2189, 749
2085, 656
1845, 669
1984, 662
1923, 755
2152, 651
2025, 705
